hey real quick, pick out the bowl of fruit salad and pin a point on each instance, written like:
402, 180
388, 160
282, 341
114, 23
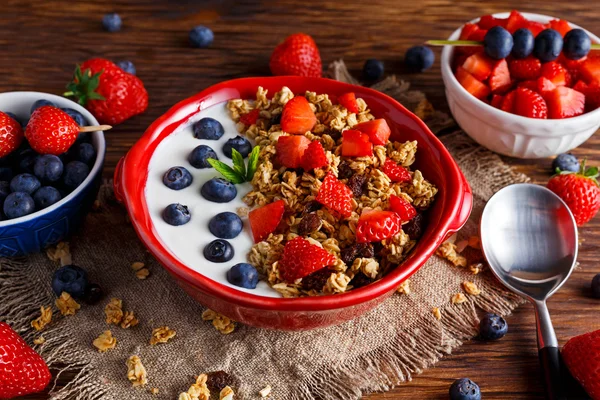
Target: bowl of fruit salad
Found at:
291, 202
533, 89
49, 172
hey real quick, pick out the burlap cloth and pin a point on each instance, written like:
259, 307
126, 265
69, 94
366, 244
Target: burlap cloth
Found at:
372, 353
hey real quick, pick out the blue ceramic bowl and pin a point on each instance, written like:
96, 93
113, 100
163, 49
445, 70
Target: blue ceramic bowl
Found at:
34, 232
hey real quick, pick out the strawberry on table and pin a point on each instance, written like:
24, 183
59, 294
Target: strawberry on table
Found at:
378, 130
356, 144
499, 80
301, 258
290, 150
264, 220
403, 208
556, 73
525, 69
564, 102
529, 104
348, 100
396, 172
11, 134
582, 356
51, 131
297, 117
336, 196
375, 226
314, 156
250, 118
297, 55
472, 84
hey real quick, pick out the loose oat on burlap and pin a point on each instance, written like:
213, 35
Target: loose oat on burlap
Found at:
372, 353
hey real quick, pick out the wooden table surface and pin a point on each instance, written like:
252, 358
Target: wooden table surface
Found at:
41, 41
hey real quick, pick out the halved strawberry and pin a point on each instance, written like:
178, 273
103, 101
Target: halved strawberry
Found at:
348, 100
530, 104
581, 86
378, 130
561, 26
592, 98
556, 73
509, 102
564, 102
499, 80
459, 59
314, 156
471, 32
301, 258
397, 173
479, 65
489, 21
297, 117
515, 21
290, 150
264, 220
590, 70
403, 208
250, 118
471, 84
535, 27
356, 144
497, 100
544, 86
525, 69
375, 226
572, 66
336, 196
530, 84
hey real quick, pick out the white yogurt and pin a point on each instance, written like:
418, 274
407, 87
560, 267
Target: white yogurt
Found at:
186, 242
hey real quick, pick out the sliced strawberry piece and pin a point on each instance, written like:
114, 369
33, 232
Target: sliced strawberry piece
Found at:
564, 102
489, 21
336, 196
515, 21
471, 84
264, 220
471, 32
499, 80
573, 66
375, 226
544, 86
290, 150
378, 130
525, 69
459, 60
314, 156
561, 26
590, 70
535, 27
497, 101
581, 86
403, 208
301, 258
556, 73
250, 118
356, 144
592, 98
509, 102
530, 104
297, 117
348, 100
467, 30
397, 173
530, 84
479, 65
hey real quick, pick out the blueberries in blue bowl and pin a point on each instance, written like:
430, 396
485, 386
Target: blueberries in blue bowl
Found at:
200, 154
419, 58
596, 286
85, 153
218, 190
76, 115
45, 197
523, 41
177, 178
498, 43
6, 173
27, 159
75, 173
239, 143
565, 162
40, 103
218, 251
225, 225
48, 168
127, 66
208, 128
465, 389
548, 45
176, 214
243, 275
4, 190
492, 327
201, 36
373, 69
112, 22
577, 44
18, 204
26, 183
71, 279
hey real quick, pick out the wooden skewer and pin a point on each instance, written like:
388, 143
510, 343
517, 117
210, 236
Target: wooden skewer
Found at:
94, 128
472, 43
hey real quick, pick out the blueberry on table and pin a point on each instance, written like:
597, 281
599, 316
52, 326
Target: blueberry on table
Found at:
239, 143
177, 178
373, 69
201, 36
48, 168
218, 190
93, 293
548, 45
225, 225
492, 327
565, 162
127, 66
577, 44
71, 279
18, 204
76, 115
176, 214
419, 58
464, 389
243, 275
523, 42
498, 43
85, 153
200, 154
596, 286
41, 102
45, 197
6, 173
25, 183
75, 173
208, 128
218, 251
112, 22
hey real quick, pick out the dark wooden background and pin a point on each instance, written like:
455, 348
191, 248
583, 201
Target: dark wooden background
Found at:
41, 41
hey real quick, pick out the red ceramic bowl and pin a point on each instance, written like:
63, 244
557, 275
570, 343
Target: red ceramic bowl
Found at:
448, 214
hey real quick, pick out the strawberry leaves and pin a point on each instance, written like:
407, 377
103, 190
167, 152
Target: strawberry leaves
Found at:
239, 173
84, 86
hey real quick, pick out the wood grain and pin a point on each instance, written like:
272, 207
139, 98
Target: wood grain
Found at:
42, 40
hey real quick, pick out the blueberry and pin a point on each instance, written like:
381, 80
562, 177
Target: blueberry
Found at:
127, 66
48, 168
45, 197
225, 225
239, 143
27, 159
93, 293
492, 327
176, 214
41, 102
85, 153
419, 58
6, 173
565, 162
177, 178
112, 22
577, 44
464, 389
75, 174
548, 45
71, 279
523, 41
243, 275
18, 204
208, 128
498, 43
200, 154
201, 36
76, 115
24, 183
218, 190
4, 190
596, 286
218, 251
373, 69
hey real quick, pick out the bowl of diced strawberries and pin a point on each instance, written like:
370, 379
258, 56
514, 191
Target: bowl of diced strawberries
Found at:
532, 89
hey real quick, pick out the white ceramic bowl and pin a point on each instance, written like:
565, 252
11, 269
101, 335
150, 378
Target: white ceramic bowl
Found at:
510, 134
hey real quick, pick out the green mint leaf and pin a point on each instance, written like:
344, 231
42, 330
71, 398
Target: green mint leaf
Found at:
228, 173
239, 164
592, 172
252, 163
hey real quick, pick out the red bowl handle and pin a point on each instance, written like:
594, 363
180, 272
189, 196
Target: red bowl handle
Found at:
466, 205
118, 181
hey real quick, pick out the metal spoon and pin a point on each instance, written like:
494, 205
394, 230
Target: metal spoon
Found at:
529, 238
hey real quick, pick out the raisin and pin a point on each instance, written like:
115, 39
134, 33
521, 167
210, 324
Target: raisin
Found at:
356, 183
276, 119
217, 380
312, 206
348, 254
316, 280
283, 226
344, 170
360, 280
414, 227
365, 250
309, 223
335, 135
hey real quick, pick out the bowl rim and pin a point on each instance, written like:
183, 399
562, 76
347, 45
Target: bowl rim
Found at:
96, 168
448, 52
130, 186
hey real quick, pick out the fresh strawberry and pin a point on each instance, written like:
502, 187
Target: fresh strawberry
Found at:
22, 370
11, 134
375, 226
264, 220
250, 118
314, 156
301, 258
556, 73
403, 208
590, 70
525, 69
471, 32
297, 117
582, 356
378, 130
564, 102
489, 21
508, 103
459, 59
297, 55
397, 173
336, 196
499, 80
348, 100
50, 130
515, 21
544, 86
290, 150
572, 66
592, 97
530, 104
471, 84
535, 27
561, 26
497, 101
530, 84
356, 144
468, 30
579, 191
581, 87
479, 65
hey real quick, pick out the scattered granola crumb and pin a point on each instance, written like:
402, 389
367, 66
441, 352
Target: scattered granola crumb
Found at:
226, 393
142, 273
137, 265
471, 288
198, 391
436, 313
265, 391
66, 305
154, 391
448, 251
404, 288
161, 334
114, 312
242, 211
44, 319
458, 298
475, 268
220, 322
136, 372
129, 320
39, 340
105, 342
60, 252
